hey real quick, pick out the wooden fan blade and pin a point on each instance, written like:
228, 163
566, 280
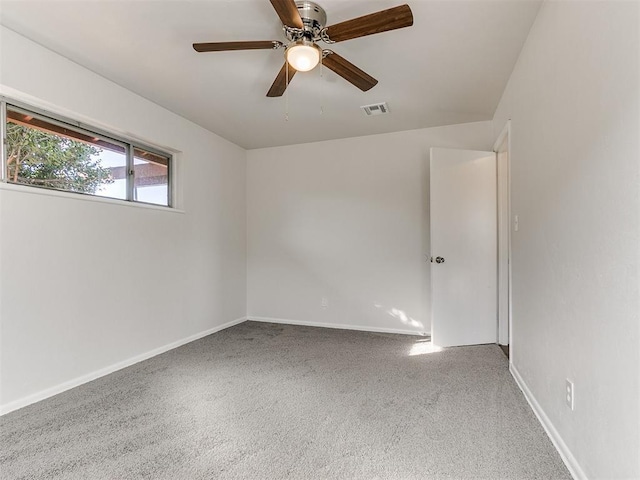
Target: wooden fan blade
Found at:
225, 46
383, 21
280, 83
349, 72
288, 13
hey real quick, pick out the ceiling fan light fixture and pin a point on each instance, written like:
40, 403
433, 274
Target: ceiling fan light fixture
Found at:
303, 55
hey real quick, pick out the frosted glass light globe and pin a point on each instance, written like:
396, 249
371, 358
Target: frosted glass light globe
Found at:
303, 56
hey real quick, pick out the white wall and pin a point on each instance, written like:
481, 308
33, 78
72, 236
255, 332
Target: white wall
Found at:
346, 220
88, 284
574, 103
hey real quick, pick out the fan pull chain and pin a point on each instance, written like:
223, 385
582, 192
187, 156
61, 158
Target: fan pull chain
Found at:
286, 94
321, 85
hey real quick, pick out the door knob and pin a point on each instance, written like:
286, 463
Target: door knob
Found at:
439, 260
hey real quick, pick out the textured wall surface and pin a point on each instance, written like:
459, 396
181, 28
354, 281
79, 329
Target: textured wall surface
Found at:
88, 284
574, 103
346, 220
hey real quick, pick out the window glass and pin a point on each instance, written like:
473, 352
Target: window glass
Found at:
52, 153
151, 177
48, 154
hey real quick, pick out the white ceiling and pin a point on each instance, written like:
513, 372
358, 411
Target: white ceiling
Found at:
450, 67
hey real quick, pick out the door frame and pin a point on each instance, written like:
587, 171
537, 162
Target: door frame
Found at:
505, 181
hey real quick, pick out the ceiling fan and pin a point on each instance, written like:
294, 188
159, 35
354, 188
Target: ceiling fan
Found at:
304, 24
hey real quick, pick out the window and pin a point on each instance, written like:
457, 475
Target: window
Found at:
151, 177
47, 152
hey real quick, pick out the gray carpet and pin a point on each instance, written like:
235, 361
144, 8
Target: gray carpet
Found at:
264, 401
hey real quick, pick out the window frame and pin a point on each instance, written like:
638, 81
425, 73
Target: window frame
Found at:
82, 128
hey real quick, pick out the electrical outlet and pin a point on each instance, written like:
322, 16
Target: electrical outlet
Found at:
569, 394
324, 303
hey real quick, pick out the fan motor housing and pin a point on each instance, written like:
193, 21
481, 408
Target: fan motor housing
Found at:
313, 15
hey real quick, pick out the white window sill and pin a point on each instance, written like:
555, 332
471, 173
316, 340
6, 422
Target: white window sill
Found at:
11, 187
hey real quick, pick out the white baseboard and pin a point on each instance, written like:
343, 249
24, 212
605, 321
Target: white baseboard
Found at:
567, 457
50, 392
334, 325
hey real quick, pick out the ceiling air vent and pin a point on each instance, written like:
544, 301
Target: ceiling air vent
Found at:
376, 109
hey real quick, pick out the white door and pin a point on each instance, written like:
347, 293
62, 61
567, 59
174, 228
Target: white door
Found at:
463, 247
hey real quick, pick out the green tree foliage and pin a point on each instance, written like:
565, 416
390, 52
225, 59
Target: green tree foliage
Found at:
36, 157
